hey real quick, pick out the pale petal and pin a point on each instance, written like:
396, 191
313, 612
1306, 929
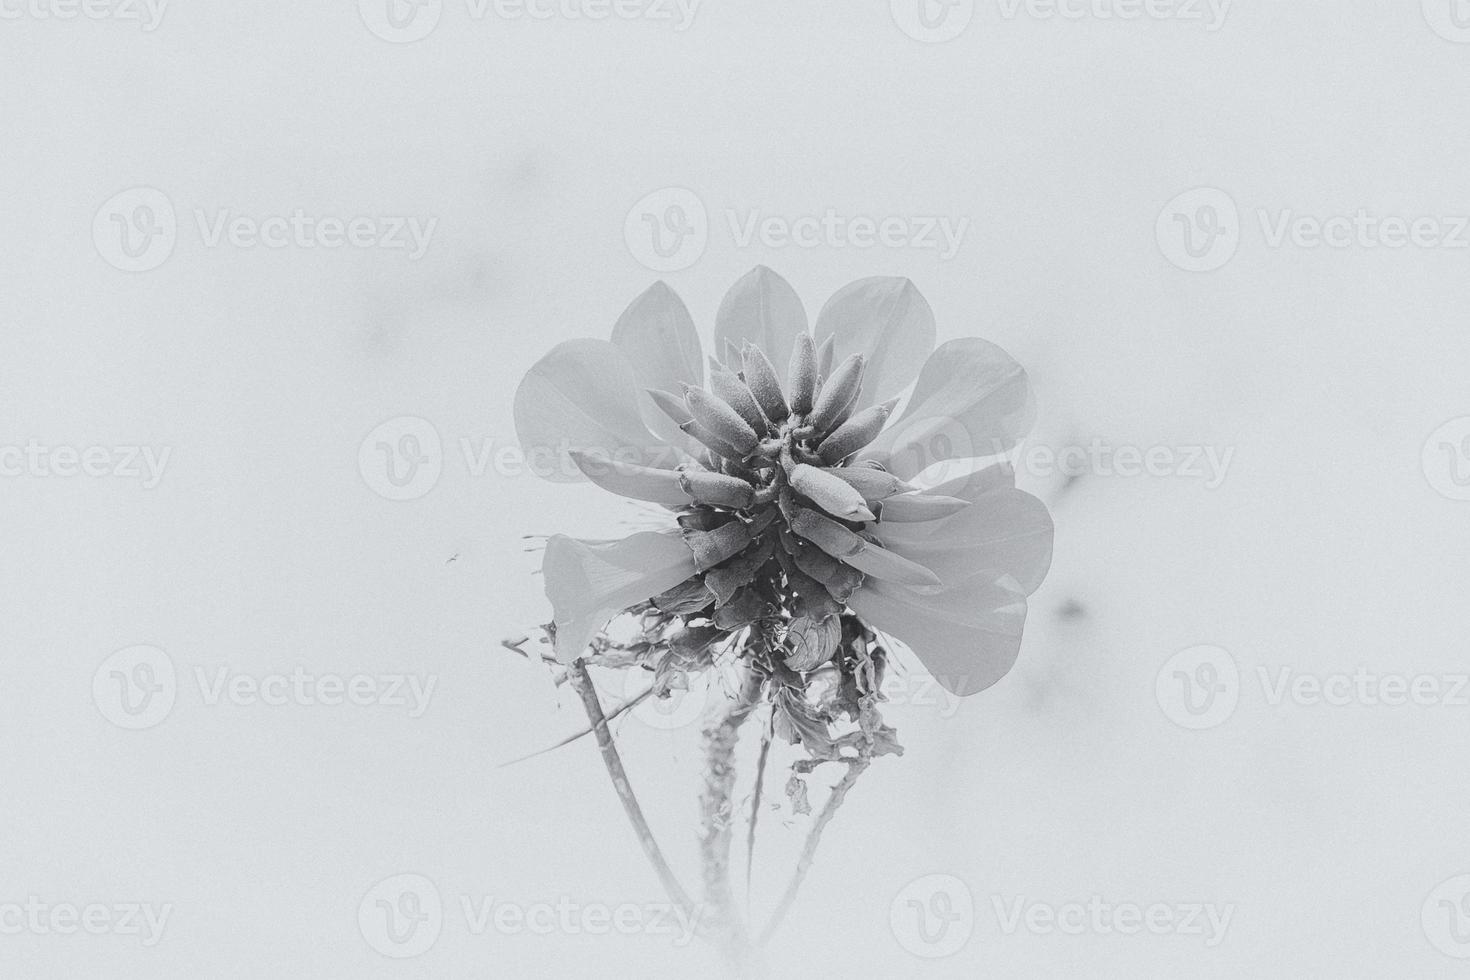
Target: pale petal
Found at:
582, 395
1004, 532
972, 401
967, 636
657, 334
590, 582
888, 321
761, 309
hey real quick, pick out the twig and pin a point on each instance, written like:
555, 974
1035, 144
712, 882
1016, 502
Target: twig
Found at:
582, 684
855, 769
755, 807
611, 715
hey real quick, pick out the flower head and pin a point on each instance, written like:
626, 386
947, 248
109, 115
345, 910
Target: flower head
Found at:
790, 481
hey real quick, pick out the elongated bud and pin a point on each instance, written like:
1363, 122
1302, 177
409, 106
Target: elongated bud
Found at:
630, 480
873, 484
836, 496
718, 417
760, 378
855, 433
715, 489
825, 355
736, 394
712, 547
801, 379
812, 641
671, 405
719, 447
838, 392
911, 507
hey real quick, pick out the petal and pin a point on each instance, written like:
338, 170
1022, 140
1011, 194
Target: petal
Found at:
582, 395
967, 636
1004, 532
972, 400
590, 582
888, 321
657, 334
761, 309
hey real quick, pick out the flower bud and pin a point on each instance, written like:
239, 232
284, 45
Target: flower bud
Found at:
720, 419
838, 392
736, 394
834, 495
802, 377
855, 433
760, 378
715, 489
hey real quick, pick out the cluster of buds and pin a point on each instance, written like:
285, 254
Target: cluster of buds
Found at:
778, 514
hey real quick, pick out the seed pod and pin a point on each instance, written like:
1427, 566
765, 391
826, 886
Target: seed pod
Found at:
873, 484
834, 495
712, 442
672, 405
812, 642
720, 419
801, 379
630, 480
760, 378
855, 433
825, 355
736, 394
716, 489
712, 547
912, 507
838, 392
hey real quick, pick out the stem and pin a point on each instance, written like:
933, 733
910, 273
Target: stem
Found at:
717, 813
582, 684
855, 769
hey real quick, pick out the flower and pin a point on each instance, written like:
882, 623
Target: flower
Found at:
789, 481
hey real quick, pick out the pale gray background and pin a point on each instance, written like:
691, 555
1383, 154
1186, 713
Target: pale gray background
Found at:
263, 549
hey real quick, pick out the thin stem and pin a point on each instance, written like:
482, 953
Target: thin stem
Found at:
855, 769
582, 684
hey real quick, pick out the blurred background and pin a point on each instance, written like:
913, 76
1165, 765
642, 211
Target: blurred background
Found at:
255, 244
